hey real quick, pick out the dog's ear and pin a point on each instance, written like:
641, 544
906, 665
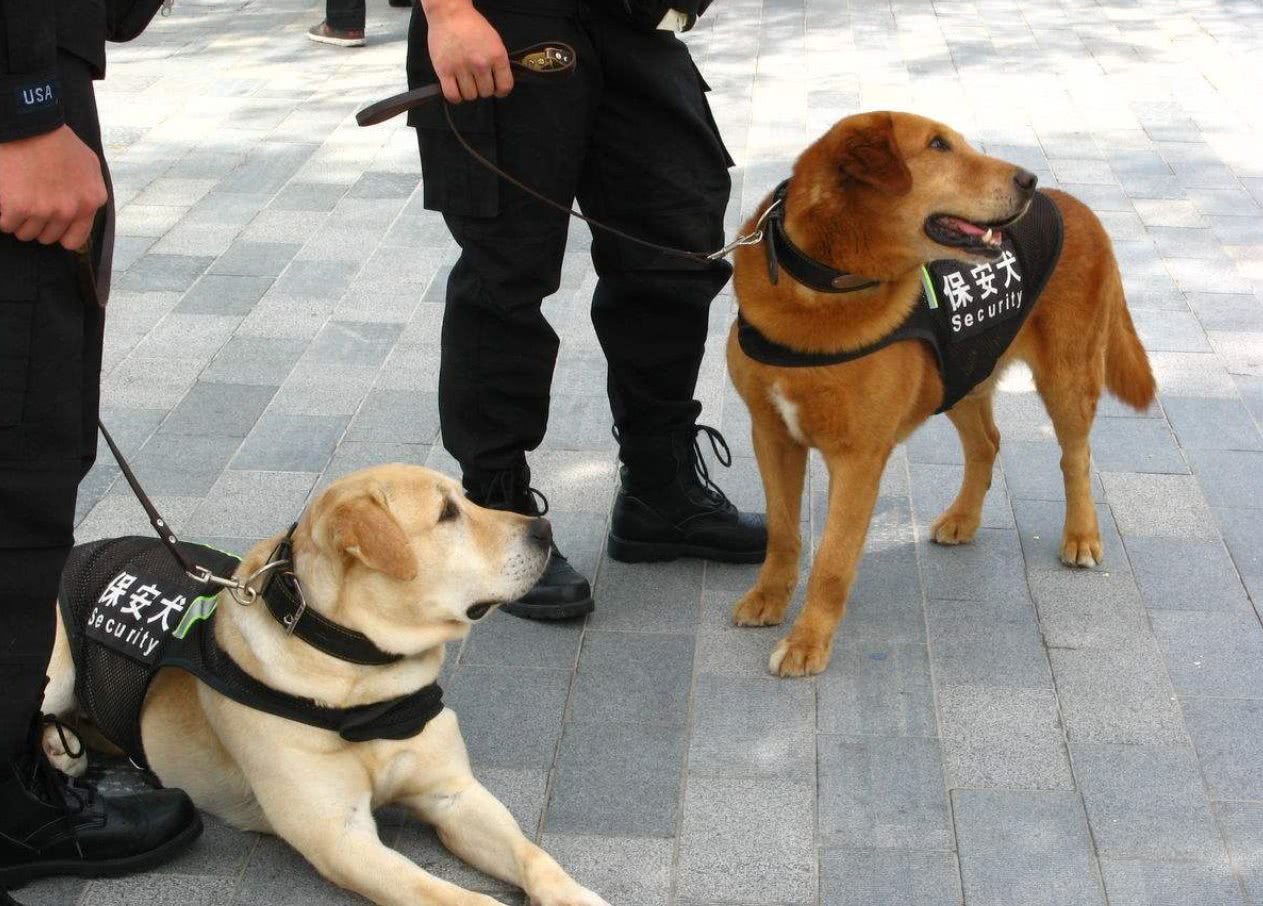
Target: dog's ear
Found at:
364, 528
869, 154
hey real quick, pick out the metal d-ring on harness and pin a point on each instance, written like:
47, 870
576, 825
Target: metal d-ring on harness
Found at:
549, 59
240, 589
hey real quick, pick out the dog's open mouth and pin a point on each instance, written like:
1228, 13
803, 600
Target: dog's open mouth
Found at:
978, 238
481, 609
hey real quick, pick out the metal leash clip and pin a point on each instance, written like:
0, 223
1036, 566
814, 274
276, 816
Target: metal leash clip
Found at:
241, 592
754, 237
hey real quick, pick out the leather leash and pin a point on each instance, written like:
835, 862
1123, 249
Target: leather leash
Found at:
549, 59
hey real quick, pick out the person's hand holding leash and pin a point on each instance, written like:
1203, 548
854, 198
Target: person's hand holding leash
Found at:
51, 186
468, 55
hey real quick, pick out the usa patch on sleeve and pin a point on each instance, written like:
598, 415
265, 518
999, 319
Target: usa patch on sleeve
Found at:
36, 96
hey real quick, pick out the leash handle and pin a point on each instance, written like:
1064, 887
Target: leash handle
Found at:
548, 58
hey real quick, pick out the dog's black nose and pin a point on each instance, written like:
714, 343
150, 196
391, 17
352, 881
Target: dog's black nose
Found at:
540, 530
1025, 180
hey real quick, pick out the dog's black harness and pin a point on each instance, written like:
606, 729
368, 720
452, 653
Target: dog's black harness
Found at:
967, 314
130, 609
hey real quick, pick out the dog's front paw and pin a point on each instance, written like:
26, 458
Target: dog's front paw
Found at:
58, 748
955, 527
758, 608
573, 896
799, 657
1083, 549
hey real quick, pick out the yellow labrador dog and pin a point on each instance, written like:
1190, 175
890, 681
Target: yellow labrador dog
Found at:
397, 554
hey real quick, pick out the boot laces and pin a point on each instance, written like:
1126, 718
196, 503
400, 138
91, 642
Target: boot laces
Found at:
502, 492
723, 454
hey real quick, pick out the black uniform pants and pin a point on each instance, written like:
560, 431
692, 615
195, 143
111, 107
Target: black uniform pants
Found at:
632, 137
345, 15
50, 367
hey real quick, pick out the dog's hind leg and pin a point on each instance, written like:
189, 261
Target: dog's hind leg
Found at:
1070, 397
782, 465
980, 440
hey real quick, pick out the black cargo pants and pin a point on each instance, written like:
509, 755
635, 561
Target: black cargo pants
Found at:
631, 136
50, 368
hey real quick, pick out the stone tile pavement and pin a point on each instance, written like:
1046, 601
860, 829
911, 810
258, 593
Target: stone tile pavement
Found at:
994, 729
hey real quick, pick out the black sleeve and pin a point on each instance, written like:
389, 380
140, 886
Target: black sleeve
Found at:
30, 96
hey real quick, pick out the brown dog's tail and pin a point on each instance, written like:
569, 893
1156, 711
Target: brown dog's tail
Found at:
1127, 372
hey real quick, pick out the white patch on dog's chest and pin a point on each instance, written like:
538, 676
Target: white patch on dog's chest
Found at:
788, 411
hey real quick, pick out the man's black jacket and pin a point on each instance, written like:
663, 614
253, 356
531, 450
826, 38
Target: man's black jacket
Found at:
31, 34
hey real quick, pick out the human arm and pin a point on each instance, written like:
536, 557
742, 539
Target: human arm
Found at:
51, 183
466, 51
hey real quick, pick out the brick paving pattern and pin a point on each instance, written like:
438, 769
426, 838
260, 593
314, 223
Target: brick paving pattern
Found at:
994, 730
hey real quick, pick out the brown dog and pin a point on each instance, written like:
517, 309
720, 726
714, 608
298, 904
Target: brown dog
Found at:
880, 195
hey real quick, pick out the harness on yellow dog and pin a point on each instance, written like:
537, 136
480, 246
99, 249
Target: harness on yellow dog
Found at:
130, 610
967, 314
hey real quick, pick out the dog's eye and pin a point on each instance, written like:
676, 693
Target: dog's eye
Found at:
450, 510
938, 143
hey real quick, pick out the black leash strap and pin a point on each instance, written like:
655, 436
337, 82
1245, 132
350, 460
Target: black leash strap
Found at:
167, 535
551, 58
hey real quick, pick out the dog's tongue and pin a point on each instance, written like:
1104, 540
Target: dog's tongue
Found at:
964, 226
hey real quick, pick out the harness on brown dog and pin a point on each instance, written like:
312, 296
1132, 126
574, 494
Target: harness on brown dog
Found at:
967, 314
130, 610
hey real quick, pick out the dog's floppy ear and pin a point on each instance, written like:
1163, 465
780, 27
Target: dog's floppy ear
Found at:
869, 154
364, 528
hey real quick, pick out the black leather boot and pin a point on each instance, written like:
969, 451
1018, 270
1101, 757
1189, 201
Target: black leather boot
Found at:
561, 593
669, 507
53, 825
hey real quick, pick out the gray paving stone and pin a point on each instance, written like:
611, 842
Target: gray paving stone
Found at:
882, 794
1221, 311
864, 877
876, 688
1145, 802
620, 869
353, 343
1243, 533
1002, 738
173, 273
747, 844
633, 677
223, 295
256, 259
1088, 608
1135, 445
617, 779
666, 597
317, 279
251, 504
278, 876
180, 466
885, 599
934, 488
1229, 478
1242, 825
396, 416
1032, 471
1028, 848
752, 726
1165, 506
1217, 654
1119, 695
1151, 883
1186, 575
281, 442
1212, 424
509, 718
218, 410
1226, 736
259, 361
312, 388
988, 568
160, 888
977, 643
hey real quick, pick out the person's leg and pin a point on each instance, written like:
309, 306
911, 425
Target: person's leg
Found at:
50, 364
345, 15
659, 170
498, 349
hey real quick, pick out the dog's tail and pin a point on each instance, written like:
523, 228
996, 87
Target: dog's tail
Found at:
1127, 372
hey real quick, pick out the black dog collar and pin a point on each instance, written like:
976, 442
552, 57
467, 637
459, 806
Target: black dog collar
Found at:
285, 601
781, 252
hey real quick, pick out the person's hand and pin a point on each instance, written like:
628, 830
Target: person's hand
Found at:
468, 55
51, 186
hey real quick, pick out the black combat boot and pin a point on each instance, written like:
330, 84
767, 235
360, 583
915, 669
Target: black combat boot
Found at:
561, 593
53, 825
668, 506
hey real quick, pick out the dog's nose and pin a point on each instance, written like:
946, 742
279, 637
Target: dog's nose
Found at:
1025, 181
540, 530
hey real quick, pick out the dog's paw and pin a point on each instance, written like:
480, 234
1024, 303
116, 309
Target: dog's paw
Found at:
55, 749
758, 608
794, 657
953, 527
574, 896
1082, 550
